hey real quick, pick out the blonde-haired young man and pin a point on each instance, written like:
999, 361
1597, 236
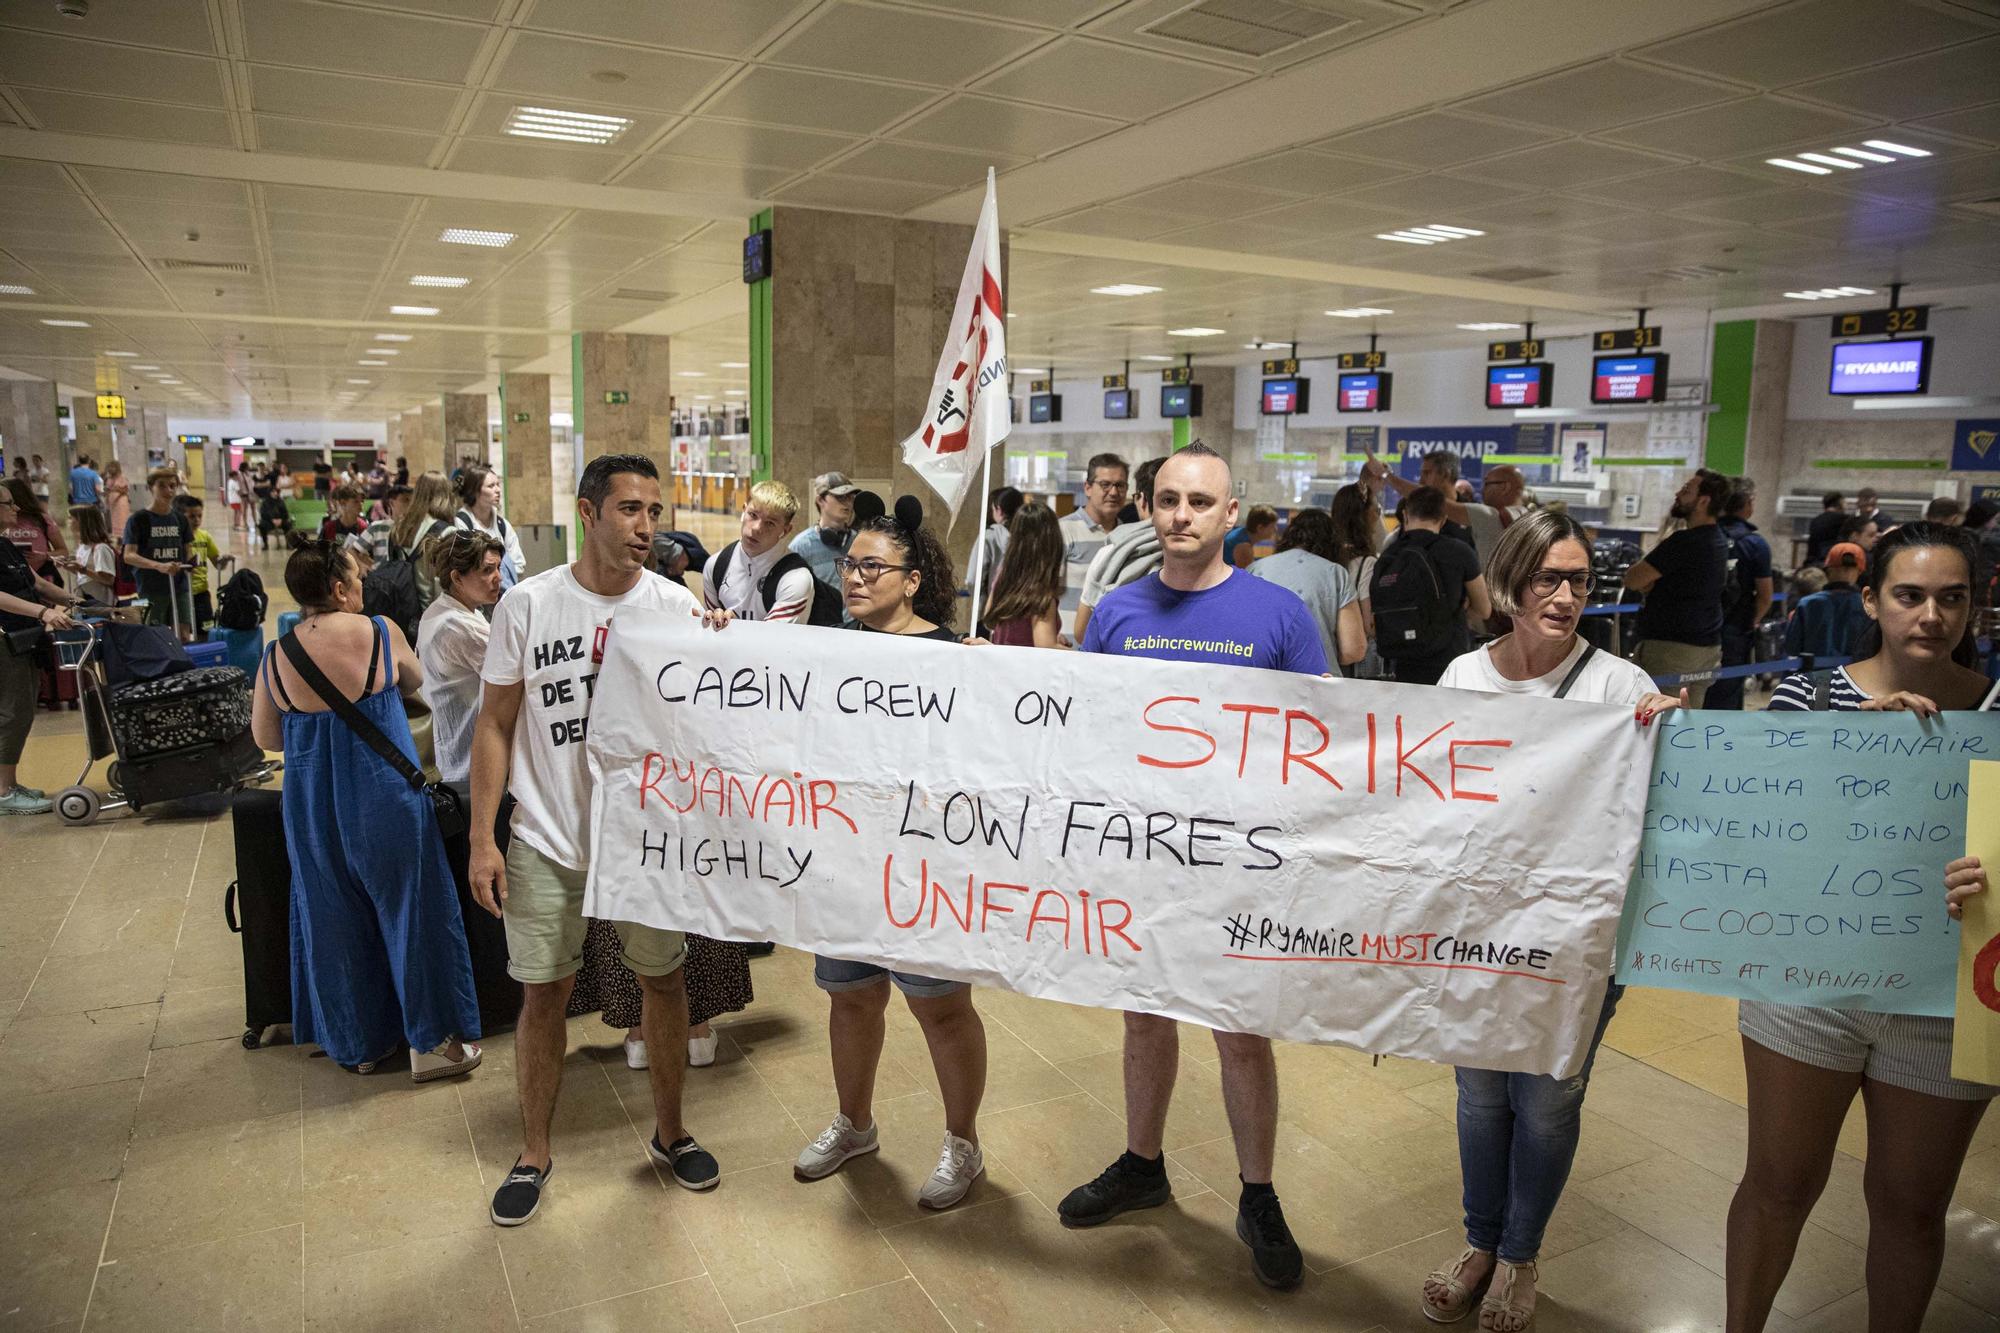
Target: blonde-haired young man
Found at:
740, 577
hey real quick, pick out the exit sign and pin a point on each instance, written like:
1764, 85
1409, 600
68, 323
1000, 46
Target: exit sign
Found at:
617, 396
521, 418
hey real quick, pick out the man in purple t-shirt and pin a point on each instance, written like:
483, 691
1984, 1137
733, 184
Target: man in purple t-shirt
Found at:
1198, 608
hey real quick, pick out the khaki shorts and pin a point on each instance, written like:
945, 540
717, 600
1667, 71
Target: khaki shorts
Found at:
545, 926
1663, 657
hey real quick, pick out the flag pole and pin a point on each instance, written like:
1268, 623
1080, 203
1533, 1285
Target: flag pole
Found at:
979, 537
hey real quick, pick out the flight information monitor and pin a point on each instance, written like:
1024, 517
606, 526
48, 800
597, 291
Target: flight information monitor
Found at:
1629, 379
1045, 407
1900, 366
1285, 396
1519, 386
1364, 392
1118, 405
1180, 400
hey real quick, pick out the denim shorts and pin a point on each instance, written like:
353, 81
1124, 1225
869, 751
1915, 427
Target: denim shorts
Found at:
837, 974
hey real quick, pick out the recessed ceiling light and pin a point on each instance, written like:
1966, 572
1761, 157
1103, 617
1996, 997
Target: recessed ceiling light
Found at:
1488, 326
145, 367
1846, 158
413, 310
473, 236
371, 363
1157, 358
170, 381
1432, 233
1359, 312
1124, 289
704, 397
392, 337
1194, 331
1829, 293
434, 280
1029, 370
67, 323
540, 122
121, 354
15, 289
734, 365
361, 381
691, 374
385, 351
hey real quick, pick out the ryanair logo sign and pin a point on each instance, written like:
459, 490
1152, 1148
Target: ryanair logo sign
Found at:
1975, 445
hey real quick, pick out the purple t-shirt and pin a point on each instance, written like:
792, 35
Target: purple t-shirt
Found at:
1241, 621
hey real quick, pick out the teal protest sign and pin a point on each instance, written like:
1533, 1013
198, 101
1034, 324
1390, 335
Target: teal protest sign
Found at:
1799, 858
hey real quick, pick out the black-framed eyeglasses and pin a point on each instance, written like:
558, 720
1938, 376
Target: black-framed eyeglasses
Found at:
869, 569
1544, 582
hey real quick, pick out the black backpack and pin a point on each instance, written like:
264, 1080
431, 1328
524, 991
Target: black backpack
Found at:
828, 606
1412, 617
390, 590
1739, 593
243, 601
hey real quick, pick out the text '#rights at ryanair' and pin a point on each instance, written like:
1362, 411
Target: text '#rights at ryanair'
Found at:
1401, 869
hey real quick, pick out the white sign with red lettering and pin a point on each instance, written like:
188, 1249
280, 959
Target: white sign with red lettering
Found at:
1401, 869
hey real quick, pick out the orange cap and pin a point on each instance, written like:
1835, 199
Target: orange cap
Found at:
1847, 555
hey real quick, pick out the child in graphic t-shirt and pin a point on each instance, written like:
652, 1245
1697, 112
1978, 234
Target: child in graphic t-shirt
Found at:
204, 553
156, 547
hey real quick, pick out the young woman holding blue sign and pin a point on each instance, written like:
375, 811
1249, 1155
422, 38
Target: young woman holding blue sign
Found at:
1805, 1064
1517, 1133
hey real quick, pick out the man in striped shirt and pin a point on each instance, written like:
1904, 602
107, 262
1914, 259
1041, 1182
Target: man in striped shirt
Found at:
738, 578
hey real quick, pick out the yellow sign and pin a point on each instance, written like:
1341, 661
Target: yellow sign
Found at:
110, 407
1981, 441
1975, 1034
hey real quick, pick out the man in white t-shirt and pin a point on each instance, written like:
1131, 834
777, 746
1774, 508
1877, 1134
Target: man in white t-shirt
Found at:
746, 564
541, 670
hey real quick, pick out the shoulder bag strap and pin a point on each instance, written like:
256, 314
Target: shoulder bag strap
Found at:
1822, 690
343, 707
1589, 651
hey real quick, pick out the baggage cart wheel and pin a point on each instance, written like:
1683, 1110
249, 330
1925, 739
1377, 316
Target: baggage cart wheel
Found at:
253, 1038
77, 805
115, 776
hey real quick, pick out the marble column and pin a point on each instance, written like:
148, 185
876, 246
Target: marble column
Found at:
463, 417
423, 439
1750, 380
29, 426
104, 440
524, 441
860, 307
153, 428
636, 370
392, 444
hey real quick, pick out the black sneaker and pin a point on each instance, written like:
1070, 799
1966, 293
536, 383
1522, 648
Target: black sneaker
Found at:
1125, 1185
761, 949
520, 1194
693, 1166
1260, 1224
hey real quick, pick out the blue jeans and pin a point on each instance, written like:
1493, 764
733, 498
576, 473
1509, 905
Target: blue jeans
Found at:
1517, 1136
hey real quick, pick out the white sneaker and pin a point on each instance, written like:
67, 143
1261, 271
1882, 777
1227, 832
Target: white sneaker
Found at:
835, 1144
635, 1053
959, 1164
701, 1050
428, 1066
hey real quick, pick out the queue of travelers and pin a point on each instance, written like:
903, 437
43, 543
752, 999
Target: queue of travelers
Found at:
1484, 594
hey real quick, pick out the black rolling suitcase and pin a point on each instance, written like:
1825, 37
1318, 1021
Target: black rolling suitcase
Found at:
258, 906
187, 710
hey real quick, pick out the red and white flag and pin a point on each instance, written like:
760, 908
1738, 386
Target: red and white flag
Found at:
967, 413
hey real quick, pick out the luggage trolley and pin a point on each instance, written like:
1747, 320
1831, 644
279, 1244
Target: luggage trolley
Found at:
206, 765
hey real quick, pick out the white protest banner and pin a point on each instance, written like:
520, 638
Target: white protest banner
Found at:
1401, 869
1799, 858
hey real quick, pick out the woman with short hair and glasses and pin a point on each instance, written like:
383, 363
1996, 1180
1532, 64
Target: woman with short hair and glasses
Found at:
1517, 1133
898, 580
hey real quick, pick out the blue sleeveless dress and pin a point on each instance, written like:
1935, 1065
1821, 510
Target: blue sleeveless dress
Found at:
378, 946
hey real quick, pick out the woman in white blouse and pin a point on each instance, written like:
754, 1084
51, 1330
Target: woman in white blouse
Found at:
479, 489
451, 642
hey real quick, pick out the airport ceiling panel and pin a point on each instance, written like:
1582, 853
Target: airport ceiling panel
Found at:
1603, 172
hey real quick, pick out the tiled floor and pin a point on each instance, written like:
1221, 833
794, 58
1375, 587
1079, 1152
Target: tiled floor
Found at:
161, 1177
